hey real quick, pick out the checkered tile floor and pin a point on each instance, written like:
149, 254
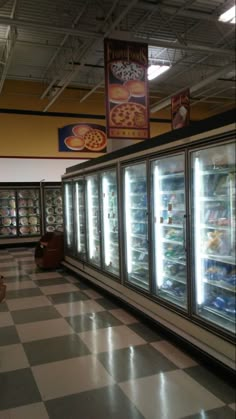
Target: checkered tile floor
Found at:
66, 352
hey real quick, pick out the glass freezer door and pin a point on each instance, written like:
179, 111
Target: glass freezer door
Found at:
213, 232
80, 219
68, 217
110, 223
136, 225
8, 220
169, 229
53, 209
28, 205
93, 220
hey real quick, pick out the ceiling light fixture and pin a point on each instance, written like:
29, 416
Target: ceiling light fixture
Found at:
228, 16
156, 70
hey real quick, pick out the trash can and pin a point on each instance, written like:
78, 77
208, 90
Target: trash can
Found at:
49, 250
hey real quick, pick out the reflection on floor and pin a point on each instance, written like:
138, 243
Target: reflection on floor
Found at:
66, 352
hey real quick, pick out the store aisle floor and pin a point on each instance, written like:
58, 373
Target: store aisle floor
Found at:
68, 352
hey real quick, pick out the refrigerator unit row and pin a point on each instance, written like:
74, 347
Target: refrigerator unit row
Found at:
29, 210
156, 227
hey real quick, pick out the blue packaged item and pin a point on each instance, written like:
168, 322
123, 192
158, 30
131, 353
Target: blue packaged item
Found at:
230, 279
220, 303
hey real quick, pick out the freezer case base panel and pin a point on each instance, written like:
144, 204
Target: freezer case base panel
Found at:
184, 330
19, 240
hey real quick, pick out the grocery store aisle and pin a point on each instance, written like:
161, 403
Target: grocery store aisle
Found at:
68, 352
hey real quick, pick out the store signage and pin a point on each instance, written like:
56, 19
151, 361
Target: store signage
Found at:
180, 109
83, 137
127, 104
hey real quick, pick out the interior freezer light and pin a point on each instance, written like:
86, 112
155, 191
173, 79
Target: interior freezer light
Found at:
90, 219
197, 232
68, 218
156, 70
158, 229
228, 16
78, 217
128, 221
106, 224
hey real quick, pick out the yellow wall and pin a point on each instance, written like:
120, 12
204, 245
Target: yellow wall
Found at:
37, 136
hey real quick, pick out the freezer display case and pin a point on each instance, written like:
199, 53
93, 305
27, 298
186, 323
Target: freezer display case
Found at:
159, 220
136, 225
110, 223
8, 220
28, 210
80, 222
213, 232
68, 218
53, 219
93, 219
169, 229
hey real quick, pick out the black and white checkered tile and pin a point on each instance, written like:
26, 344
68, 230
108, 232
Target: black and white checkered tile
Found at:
66, 352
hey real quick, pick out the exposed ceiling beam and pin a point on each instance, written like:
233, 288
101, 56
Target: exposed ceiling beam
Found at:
183, 12
11, 36
58, 50
92, 91
195, 88
90, 47
22, 23
125, 35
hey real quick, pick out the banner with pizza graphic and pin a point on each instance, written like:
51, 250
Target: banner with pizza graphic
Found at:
127, 104
180, 109
83, 137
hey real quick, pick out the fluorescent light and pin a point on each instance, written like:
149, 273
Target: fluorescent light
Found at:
155, 71
197, 232
90, 219
78, 216
128, 221
158, 229
106, 224
228, 16
68, 216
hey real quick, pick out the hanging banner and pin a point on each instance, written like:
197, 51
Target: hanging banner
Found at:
127, 103
180, 109
83, 137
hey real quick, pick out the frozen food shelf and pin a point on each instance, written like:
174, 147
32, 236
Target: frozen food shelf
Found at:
140, 265
138, 222
172, 225
213, 198
215, 227
219, 258
140, 250
136, 280
216, 171
172, 175
172, 295
139, 208
220, 284
175, 278
139, 236
172, 192
172, 241
179, 261
175, 208
220, 313
143, 193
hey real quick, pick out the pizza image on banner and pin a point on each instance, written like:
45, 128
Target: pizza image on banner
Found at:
127, 104
90, 138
